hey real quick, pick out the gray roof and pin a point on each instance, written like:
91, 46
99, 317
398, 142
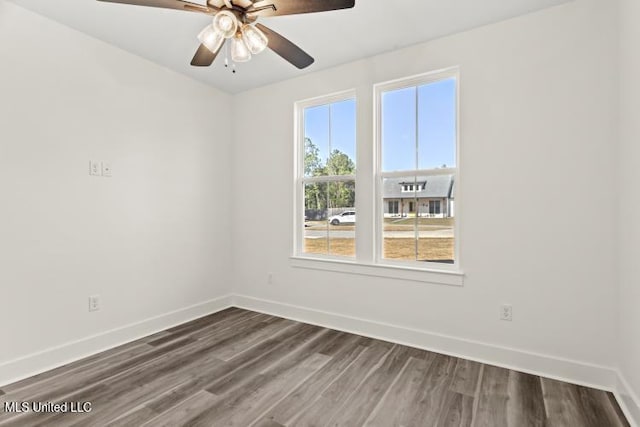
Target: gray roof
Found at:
435, 187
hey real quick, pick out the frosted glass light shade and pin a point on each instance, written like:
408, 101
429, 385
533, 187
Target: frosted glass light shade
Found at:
211, 38
239, 50
255, 39
226, 23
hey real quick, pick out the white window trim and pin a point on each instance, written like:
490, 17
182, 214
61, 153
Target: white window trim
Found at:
378, 175
401, 272
298, 172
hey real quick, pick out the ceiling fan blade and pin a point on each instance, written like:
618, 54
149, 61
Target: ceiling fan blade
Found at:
286, 48
167, 4
204, 57
293, 7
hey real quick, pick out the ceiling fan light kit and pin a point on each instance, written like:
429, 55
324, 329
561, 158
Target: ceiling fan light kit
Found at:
255, 39
225, 23
235, 20
239, 50
211, 38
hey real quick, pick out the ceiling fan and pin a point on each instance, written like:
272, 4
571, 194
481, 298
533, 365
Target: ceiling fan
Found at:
235, 20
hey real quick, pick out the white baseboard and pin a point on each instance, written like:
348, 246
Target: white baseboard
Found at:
33, 364
572, 371
628, 400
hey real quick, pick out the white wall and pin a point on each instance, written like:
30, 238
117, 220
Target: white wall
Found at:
629, 176
538, 123
152, 239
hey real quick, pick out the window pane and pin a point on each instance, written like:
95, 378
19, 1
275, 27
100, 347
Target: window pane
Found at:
316, 141
330, 139
399, 129
418, 216
329, 227
343, 138
342, 218
315, 215
437, 125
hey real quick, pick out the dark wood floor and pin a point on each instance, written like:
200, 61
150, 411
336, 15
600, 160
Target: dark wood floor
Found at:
240, 368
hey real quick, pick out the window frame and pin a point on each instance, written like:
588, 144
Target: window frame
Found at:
300, 180
370, 205
379, 175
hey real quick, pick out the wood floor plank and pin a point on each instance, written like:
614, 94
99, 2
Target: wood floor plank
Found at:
457, 411
242, 368
57, 389
244, 405
206, 320
175, 351
135, 390
277, 344
301, 398
494, 394
525, 406
119, 394
243, 343
569, 404
80, 368
330, 402
298, 343
357, 408
198, 403
427, 405
465, 377
230, 323
393, 409
596, 408
136, 417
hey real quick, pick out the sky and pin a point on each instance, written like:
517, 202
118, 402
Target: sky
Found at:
333, 126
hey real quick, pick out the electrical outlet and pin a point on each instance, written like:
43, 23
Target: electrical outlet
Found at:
94, 303
106, 169
506, 312
270, 278
95, 169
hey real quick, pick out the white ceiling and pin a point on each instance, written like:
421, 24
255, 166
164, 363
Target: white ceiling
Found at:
168, 37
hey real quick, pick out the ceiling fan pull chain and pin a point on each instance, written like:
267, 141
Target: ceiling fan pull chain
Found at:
226, 55
234, 68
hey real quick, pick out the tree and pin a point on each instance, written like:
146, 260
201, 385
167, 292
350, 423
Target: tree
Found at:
312, 161
320, 196
341, 194
313, 193
340, 164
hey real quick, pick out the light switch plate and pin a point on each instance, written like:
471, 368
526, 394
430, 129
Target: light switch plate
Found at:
106, 169
95, 169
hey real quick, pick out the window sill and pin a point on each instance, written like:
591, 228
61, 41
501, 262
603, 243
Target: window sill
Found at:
430, 275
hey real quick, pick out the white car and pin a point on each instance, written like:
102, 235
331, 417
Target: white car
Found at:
346, 217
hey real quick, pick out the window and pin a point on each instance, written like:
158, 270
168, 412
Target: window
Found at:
434, 207
393, 207
416, 129
325, 176
408, 210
